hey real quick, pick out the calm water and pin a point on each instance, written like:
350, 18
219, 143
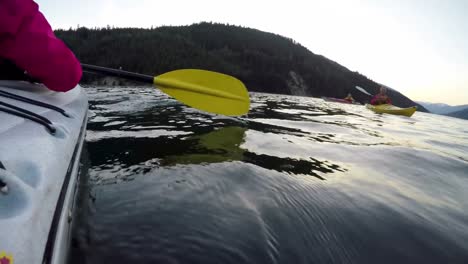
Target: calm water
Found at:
299, 180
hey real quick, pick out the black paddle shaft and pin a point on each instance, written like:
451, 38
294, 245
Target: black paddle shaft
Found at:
118, 73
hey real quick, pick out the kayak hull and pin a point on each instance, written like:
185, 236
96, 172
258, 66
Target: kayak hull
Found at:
391, 109
41, 170
338, 100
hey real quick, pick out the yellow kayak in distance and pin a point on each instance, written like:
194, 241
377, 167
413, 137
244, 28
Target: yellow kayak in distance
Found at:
391, 109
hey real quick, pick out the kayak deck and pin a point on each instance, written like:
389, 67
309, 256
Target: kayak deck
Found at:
391, 109
40, 167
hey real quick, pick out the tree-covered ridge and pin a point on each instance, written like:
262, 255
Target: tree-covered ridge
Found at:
265, 62
463, 114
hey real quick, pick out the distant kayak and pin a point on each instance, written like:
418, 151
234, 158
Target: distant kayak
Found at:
338, 100
391, 109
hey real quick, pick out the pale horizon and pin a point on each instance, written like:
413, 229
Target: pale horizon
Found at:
419, 48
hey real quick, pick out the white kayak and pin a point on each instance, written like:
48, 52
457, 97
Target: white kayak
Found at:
40, 149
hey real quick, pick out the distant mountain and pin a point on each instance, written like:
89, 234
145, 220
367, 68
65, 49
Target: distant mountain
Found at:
442, 109
463, 114
265, 62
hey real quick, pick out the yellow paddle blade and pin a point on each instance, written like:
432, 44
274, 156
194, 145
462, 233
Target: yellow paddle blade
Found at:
206, 90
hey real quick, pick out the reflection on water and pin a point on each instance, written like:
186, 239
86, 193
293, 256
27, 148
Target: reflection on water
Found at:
216, 146
298, 180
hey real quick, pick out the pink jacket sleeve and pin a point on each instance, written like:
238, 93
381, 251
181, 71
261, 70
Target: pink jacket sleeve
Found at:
27, 40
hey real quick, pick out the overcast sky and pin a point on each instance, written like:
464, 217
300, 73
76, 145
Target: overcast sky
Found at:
419, 47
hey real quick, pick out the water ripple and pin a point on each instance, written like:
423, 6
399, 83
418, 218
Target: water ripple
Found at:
297, 180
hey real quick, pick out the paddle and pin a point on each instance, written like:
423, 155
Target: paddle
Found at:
205, 90
362, 90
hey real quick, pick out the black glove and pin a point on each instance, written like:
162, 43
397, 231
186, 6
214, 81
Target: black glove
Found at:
9, 71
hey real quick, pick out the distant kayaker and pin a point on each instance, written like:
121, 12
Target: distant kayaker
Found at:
27, 40
349, 98
381, 97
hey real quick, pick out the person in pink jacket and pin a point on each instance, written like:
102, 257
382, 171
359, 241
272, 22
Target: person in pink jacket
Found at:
27, 41
381, 97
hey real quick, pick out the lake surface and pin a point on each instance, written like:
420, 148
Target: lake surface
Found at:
298, 180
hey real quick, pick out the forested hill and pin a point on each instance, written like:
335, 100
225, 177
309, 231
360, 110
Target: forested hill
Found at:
463, 114
265, 62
